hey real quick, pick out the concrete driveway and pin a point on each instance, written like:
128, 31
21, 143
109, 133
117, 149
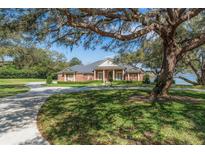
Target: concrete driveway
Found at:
18, 114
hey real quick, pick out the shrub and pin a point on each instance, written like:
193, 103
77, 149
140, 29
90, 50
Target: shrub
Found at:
11, 72
80, 82
49, 79
127, 82
156, 79
110, 80
146, 79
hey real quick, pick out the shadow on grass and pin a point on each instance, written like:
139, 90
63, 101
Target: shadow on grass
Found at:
193, 94
107, 117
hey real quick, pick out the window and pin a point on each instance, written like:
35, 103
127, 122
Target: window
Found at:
89, 77
70, 77
118, 76
100, 75
134, 75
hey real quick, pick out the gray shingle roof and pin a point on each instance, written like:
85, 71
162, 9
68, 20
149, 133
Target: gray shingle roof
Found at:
131, 69
91, 67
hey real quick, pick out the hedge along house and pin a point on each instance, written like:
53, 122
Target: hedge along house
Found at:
104, 70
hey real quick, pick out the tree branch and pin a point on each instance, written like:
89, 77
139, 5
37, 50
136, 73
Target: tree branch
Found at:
188, 15
187, 80
194, 43
125, 14
113, 14
73, 22
194, 69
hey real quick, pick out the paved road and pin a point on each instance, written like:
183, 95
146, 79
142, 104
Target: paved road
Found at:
18, 113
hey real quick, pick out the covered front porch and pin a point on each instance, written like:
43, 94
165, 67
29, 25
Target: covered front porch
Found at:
69, 76
109, 74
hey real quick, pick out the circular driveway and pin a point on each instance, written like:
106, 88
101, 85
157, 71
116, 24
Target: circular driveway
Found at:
18, 114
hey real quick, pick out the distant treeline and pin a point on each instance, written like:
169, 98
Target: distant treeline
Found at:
32, 63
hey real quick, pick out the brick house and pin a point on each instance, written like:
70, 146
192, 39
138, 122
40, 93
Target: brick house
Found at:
101, 70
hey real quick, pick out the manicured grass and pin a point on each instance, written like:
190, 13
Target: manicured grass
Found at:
9, 87
95, 83
117, 83
18, 81
190, 93
127, 83
73, 84
189, 86
9, 90
113, 117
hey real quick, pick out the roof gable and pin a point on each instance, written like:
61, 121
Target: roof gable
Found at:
107, 63
86, 68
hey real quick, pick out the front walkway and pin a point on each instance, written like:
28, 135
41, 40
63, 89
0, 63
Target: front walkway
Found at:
18, 113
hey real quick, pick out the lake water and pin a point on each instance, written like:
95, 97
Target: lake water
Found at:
188, 76
182, 82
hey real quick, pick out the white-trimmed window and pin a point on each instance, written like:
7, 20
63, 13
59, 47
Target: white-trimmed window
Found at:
118, 76
100, 75
70, 77
89, 77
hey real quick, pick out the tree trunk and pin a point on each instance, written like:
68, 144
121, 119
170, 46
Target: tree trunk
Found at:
167, 70
199, 74
203, 74
196, 71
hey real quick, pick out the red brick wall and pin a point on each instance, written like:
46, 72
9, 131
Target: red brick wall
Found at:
83, 77
60, 77
134, 76
89, 76
79, 77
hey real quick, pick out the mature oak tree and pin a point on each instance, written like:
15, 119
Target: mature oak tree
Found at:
117, 28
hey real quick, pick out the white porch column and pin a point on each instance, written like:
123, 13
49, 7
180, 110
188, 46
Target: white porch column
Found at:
128, 76
138, 77
94, 74
103, 75
123, 74
113, 75
74, 76
64, 77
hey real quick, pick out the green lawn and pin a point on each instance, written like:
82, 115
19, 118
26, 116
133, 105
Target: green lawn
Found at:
189, 86
10, 90
116, 83
96, 83
9, 87
18, 81
75, 84
116, 117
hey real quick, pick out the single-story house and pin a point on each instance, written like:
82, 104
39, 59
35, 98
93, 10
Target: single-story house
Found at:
104, 70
